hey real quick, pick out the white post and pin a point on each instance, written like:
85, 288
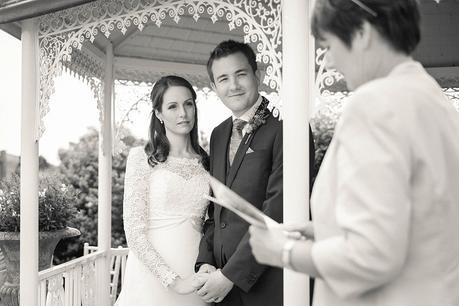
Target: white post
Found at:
296, 86
29, 165
105, 183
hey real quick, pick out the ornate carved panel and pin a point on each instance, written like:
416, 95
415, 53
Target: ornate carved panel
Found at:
64, 32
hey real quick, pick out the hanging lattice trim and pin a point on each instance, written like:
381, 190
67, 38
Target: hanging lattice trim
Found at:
88, 68
62, 32
453, 95
325, 77
137, 77
85, 65
91, 70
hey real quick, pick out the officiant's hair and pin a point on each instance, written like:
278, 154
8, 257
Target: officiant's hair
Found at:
158, 146
398, 21
229, 47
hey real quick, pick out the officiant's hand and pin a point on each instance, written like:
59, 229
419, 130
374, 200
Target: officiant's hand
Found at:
267, 244
306, 229
183, 285
216, 287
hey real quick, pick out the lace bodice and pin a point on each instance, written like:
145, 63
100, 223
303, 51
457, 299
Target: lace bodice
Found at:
172, 190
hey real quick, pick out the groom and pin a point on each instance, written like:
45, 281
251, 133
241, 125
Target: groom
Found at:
246, 155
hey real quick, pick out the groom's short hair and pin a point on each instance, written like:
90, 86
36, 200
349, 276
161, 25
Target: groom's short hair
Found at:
229, 47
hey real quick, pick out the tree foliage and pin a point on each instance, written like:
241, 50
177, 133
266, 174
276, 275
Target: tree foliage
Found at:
79, 166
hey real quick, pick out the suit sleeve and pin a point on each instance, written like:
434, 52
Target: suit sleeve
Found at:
206, 245
242, 268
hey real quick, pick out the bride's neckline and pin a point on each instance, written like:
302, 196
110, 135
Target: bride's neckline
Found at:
186, 158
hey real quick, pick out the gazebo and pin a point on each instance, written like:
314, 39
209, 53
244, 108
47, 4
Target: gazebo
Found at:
105, 41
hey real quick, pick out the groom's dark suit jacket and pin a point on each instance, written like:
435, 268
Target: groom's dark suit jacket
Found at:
257, 177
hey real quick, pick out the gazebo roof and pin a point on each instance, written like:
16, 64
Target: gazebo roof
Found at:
179, 45
183, 46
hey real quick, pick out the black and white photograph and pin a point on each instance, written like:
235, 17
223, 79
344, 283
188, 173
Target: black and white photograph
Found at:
229, 153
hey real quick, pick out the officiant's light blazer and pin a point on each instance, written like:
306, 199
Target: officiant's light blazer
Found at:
385, 203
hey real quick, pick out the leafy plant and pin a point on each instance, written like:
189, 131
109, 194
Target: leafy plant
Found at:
323, 125
79, 167
55, 201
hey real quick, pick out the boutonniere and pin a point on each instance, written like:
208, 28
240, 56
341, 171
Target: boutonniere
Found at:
258, 119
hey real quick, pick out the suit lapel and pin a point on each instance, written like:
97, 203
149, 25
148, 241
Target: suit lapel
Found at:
238, 158
220, 154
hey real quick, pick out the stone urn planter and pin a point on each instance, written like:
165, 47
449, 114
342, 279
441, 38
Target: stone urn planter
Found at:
9, 247
2, 269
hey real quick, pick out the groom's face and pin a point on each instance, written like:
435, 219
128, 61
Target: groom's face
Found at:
235, 82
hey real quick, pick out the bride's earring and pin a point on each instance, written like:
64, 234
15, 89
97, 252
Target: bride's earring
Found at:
160, 121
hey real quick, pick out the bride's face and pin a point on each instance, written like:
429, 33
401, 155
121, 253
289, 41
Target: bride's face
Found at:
177, 111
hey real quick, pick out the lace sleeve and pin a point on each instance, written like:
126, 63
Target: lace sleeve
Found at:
135, 214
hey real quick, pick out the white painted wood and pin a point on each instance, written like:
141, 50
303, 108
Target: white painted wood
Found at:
105, 183
71, 293
295, 94
62, 268
118, 258
29, 165
121, 40
77, 297
42, 293
68, 288
138, 64
94, 51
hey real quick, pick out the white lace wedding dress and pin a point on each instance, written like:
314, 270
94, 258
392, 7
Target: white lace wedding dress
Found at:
163, 214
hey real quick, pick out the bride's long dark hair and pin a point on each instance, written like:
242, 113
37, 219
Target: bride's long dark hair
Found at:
158, 146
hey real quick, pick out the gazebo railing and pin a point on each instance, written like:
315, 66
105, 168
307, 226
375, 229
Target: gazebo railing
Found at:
75, 283
118, 260
71, 284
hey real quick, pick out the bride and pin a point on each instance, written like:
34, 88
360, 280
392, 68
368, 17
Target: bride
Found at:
163, 203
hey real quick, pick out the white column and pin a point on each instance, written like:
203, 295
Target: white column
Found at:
29, 165
105, 182
296, 86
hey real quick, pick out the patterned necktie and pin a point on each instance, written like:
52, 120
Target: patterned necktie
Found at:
236, 137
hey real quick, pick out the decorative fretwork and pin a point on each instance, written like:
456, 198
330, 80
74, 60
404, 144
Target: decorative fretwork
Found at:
56, 292
138, 76
72, 283
88, 284
325, 77
63, 32
453, 95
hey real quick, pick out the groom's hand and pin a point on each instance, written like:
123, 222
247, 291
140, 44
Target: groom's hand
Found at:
216, 287
201, 277
206, 268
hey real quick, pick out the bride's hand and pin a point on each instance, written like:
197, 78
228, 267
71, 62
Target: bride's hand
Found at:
183, 285
199, 279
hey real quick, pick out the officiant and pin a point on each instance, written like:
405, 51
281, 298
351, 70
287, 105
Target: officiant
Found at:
385, 201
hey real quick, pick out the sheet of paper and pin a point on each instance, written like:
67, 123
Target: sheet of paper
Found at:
229, 199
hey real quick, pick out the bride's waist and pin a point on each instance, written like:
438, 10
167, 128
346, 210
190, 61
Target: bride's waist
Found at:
166, 221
